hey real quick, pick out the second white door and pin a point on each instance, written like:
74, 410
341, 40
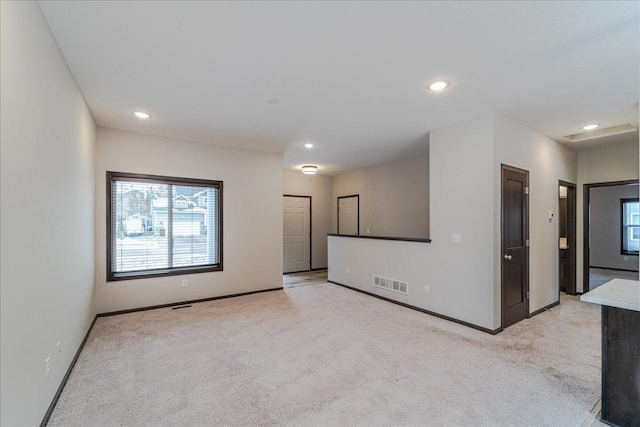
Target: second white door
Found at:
348, 213
297, 234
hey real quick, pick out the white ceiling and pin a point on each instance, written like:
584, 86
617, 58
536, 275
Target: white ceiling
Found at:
350, 77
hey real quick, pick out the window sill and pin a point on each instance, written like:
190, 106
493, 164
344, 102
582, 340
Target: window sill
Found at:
131, 275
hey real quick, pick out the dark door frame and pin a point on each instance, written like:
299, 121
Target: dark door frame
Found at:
310, 228
358, 219
586, 228
505, 168
572, 211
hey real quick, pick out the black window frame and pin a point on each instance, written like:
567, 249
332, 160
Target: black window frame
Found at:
623, 226
160, 272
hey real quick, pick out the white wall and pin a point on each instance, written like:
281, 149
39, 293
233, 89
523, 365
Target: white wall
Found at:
411, 262
547, 162
605, 226
252, 217
394, 198
47, 219
461, 188
606, 164
319, 187
465, 186
460, 276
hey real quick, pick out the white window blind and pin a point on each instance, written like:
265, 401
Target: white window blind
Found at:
163, 225
630, 226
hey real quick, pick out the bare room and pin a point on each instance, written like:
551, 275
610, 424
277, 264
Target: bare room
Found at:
319, 213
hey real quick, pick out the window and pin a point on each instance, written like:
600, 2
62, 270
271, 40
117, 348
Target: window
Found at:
159, 226
630, 226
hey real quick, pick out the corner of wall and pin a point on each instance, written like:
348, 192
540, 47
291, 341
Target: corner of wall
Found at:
252, 212
548, 162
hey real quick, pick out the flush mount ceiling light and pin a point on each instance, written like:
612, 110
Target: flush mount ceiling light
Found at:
308, 145
141, 114
438, 85
309, 170
590, 126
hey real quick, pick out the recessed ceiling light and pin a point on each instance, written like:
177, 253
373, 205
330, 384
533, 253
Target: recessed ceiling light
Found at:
309, 170
590, 127
273, 101
308, 145
438, 85
141, 114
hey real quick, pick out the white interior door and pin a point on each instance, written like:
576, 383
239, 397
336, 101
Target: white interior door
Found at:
297, 234
348, 215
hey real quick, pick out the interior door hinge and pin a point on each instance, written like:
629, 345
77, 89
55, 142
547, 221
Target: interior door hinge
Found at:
526, 190
527, 294
527, 243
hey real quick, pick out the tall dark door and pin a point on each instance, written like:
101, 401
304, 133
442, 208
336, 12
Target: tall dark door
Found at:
515, 253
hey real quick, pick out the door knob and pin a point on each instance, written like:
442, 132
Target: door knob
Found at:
508, 257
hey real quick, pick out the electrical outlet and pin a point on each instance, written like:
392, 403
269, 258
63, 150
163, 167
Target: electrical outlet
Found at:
58, 350
184, 283
426, 289
456, 238
368, 231
46, 369
626, 258
348, 270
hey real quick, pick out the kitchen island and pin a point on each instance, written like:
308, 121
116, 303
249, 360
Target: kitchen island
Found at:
620, 301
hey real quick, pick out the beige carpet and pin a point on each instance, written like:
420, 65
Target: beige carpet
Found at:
323, 355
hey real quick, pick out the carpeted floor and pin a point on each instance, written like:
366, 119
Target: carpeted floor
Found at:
324, 355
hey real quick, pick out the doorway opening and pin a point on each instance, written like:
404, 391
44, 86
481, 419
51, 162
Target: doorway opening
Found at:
296, 239
567, 237
609, 228
305, 278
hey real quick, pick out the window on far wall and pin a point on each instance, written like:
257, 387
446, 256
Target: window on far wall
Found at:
160, 226
630, 226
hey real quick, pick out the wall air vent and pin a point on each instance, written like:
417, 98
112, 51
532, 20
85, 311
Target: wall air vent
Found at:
600, 133
391, 284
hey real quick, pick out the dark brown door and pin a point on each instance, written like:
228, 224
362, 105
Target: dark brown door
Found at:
515, 253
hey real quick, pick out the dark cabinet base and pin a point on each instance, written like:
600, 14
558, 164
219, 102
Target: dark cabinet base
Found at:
620, 367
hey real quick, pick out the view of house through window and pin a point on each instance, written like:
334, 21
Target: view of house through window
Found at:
630, 226
163, 225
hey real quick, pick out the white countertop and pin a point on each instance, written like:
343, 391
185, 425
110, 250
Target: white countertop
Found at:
618, 293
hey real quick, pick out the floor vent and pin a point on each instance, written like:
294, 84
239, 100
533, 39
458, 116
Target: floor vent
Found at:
391, 284
182, 306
